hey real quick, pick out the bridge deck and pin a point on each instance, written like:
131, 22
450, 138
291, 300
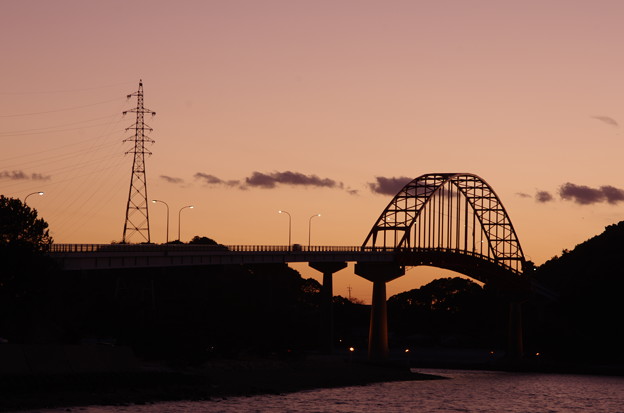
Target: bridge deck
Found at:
115, 256
95, 256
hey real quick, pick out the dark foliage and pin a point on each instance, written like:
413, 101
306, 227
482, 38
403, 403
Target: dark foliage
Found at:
25, 273
448, 311
190, 314
202, 241
20, 227
584, 321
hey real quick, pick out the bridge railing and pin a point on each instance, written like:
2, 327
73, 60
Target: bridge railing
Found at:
79, 248
295, 248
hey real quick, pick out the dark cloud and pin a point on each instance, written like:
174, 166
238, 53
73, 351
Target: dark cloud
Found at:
607, 120
262, 180
388, 186
523, 195
543, 196
21, 175
172, 180
580, 194
585, 195
213, 180
207, 178
613, 195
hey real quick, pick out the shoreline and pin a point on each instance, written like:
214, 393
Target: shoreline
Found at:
153, 382
213, 380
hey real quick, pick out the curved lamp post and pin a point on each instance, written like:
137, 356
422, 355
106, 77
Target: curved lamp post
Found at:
179, 212
310, 227
163, 202
289, 225
34, 193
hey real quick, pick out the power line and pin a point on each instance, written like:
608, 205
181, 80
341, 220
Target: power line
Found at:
51, 129
57, 110
44, 92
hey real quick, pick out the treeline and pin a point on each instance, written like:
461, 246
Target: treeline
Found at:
194, 313
583, 320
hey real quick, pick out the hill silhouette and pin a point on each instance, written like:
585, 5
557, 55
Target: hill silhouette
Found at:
584, 323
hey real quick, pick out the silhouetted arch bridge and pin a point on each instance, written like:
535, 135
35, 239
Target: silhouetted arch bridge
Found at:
448, 220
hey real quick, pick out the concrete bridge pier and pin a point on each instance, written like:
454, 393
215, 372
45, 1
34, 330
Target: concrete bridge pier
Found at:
327, 307
379, 274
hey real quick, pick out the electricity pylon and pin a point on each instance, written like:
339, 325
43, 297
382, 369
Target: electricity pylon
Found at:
137, 215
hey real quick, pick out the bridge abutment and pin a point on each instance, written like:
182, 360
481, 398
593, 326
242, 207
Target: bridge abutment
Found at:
379, 274
327, 307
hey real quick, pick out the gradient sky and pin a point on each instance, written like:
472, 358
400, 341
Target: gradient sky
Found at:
344, 95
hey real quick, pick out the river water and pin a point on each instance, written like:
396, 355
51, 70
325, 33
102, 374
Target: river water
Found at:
465, 391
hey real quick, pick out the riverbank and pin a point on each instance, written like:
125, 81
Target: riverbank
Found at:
216, 379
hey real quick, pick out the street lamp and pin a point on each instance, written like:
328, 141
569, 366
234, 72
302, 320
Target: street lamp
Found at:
34, 193
289, 225
163, 202
310, 227
179, 212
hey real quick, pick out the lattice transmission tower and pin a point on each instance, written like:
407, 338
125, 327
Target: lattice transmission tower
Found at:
137, 214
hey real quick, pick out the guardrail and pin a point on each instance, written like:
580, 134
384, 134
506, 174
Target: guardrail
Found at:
78, 248
295, 248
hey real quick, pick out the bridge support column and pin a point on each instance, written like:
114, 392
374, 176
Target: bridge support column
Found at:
379, 274
515, 340
327, 297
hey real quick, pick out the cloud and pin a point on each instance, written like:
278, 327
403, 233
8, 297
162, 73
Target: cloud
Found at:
208, 179
543, 197
584, 195
612, 194
262, 180
172, 180
273, 179
213, 180
608, 120
388, 186
523, 195
21, 175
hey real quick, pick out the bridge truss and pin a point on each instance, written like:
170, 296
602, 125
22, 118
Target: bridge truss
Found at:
451, 214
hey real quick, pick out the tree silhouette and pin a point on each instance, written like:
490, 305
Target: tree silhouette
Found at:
447, 307
20, 227
25, 269
203, 241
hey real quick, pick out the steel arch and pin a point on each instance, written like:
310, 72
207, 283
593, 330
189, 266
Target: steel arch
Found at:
454, 212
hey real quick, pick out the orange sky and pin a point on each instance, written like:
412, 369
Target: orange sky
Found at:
527, 95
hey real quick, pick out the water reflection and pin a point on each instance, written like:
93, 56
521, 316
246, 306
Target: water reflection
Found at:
466, 391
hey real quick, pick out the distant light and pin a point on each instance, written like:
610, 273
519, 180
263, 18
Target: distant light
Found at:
407, 350
537, 354
351, 349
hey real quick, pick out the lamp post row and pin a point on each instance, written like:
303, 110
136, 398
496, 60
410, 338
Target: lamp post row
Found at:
179, 216
192, 206
290, 227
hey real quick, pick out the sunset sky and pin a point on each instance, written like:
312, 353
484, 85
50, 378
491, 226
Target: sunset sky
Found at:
310, 107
